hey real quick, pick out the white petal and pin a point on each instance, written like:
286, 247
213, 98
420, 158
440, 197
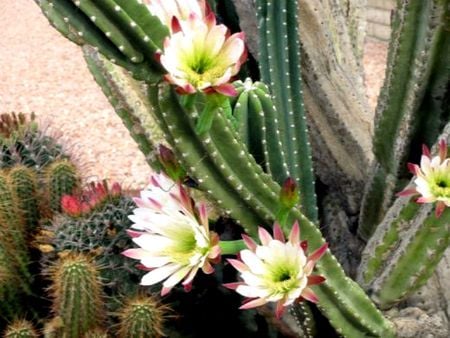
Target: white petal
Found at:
159, 274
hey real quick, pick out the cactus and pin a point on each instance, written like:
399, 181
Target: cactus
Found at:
20, 329
419, 41
22, 142
77, 294
12, 234
141, 317
61, 178
103, 234
96, 333
24, 186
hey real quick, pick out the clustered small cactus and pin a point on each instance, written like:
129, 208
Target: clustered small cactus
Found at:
63, 241
238, 143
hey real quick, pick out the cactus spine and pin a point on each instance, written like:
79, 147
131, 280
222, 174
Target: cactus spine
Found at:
418, 43
77, 295
141, 317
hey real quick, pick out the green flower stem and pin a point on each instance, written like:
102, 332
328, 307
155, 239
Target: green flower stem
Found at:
232, 247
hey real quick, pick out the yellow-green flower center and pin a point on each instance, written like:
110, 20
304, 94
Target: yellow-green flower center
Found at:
440, 185
203, 68
282, 279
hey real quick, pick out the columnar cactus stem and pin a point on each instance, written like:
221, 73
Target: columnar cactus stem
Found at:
23, 183
115, 35
61, 178
12, 234
77, 294
417, 43
141, 317
404, 250
350, 312
280, 67
259, 126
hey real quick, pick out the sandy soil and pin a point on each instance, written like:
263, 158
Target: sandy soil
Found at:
43, 72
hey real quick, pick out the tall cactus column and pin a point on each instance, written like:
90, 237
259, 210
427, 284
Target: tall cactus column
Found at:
280, 68
418, 48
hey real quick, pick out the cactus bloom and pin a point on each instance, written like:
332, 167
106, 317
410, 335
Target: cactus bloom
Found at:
165, 10
432, 179
276, 271
201, 56
172, 234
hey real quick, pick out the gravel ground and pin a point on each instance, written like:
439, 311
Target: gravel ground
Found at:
42, 72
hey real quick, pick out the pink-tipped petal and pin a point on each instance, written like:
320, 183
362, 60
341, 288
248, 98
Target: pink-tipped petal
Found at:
165, 290
203, 213
442, 149
413, 168
175, 24
253, 303
294, 236
134, 234
440, 207
278, 233
426, 151
210, 20
134, 253
315, 256
207, 268
238, 265
233, 286
315, 279
422, 200
304, 245
226, 89
249, 242
309, 294
264, 236
407, 192
279, 310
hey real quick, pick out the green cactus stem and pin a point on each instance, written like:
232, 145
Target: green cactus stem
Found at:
416, 53
259, 128
141, 317
125, 95
61, 178
405, 249
12, 234
20, 329
23, 183
223, 167
77, 295
280, 68
119, 29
